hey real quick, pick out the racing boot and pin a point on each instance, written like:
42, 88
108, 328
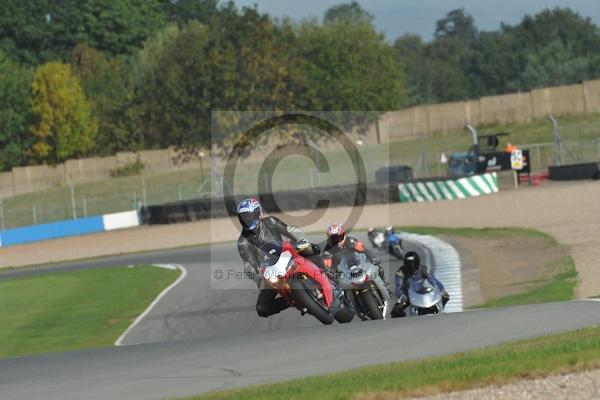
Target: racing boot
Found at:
398, 311
445, 298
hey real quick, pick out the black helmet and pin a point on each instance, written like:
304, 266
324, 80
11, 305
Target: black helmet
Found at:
412, 262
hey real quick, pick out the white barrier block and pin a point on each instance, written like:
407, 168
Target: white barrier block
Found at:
121, 220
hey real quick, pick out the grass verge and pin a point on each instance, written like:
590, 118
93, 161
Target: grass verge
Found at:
489, 233
558, 286
75, 310
523, 359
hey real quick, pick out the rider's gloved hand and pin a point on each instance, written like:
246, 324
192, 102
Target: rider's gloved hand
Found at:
302, 245
402, 301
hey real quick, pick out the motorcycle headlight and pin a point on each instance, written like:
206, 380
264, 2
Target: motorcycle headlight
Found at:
355, 273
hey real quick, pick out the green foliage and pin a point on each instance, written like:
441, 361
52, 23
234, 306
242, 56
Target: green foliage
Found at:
15, 114
183, 11
349, 67
75, 310
36, 31
107, 82
130, 169
351, 13
557, 64
64, 126
551, 48
171, 88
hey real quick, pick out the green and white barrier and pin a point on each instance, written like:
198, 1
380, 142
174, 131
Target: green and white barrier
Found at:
477, 185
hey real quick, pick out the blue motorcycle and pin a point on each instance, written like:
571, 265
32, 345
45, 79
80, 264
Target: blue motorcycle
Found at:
388, 241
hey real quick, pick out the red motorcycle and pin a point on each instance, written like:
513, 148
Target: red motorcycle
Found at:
303, 284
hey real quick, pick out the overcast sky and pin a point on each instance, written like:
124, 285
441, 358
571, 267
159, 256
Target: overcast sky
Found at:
396, 17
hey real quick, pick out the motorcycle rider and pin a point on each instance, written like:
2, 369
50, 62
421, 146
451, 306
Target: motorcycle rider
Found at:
256, 231
339, 244
381, 240
412, 267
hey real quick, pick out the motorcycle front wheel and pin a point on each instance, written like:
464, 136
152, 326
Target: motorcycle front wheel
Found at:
346, 313
371, 305
305, 292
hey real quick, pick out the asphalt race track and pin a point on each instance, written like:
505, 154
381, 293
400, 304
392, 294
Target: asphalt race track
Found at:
204, 335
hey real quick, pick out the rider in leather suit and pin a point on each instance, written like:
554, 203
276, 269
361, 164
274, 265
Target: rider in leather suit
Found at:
339, 244
256, 231
412, 267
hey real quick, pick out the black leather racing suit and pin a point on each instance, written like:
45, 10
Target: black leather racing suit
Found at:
249, 242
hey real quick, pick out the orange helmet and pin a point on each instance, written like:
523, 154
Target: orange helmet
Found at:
336, 235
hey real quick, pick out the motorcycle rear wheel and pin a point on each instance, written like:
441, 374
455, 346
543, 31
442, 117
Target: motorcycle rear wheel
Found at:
302, 291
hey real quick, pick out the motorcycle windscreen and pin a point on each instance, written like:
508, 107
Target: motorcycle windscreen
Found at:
278, 268
422, 293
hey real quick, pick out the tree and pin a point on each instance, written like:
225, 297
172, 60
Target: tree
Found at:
554, 65
456, 24
108, 85
36, 31
64, 127
242, 61
170, 100
183, 11
351, 13
350, 68
15, 114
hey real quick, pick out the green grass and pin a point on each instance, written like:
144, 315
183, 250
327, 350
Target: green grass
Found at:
527, 358
559, 288
74, 310
562, 275
581, 133
489, 233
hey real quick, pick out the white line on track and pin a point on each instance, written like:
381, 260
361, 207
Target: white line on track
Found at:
119, 341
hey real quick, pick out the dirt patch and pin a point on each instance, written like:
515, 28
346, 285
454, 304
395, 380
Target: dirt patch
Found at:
507, 265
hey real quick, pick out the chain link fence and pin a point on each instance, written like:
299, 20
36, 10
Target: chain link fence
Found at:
292, 173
